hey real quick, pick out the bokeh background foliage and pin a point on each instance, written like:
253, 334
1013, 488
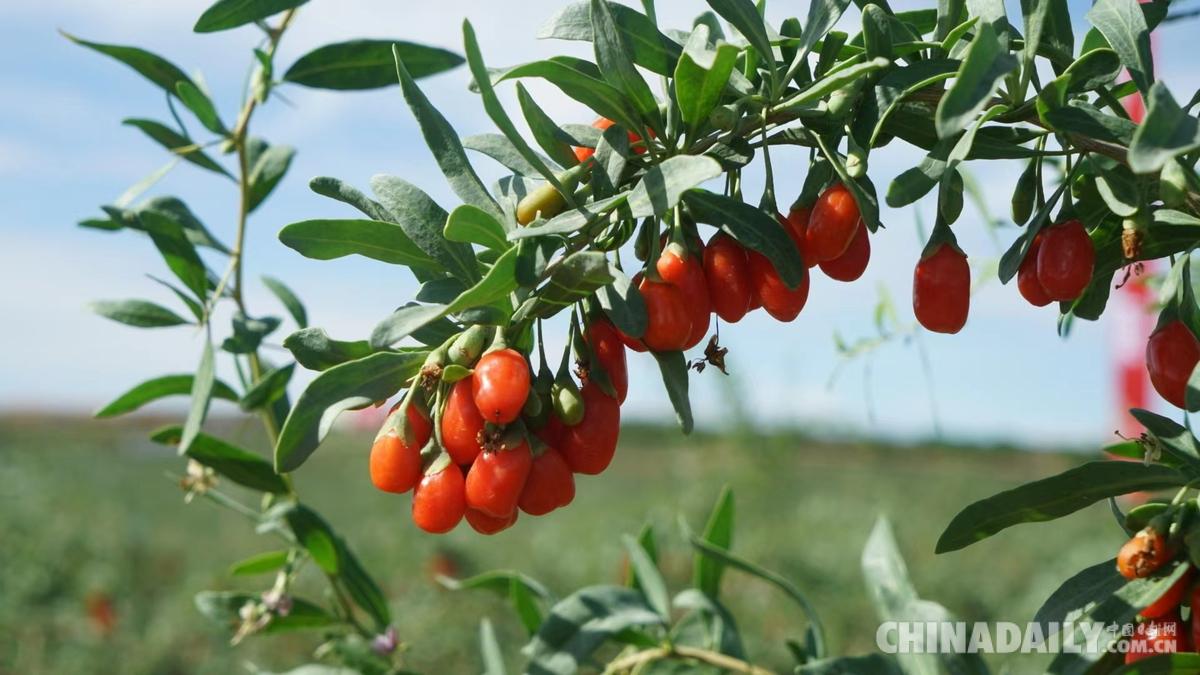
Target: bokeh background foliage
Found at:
85, 520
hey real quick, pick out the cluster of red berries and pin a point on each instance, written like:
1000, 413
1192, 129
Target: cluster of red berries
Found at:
499, 447
1162, 628
695, 280
1058, 265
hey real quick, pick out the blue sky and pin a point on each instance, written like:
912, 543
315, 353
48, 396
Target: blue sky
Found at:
1007, 376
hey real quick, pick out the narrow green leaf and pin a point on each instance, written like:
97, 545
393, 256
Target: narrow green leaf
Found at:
789, 589
315, 350
661, 188
1053, 497
895, 599
745, 17
649, 578
833, 82
175, 209
1119, 608
495, 110
347, 386
718, 531
648, 47
249, 332
150, 66
202, 388
444, 144
330, 239
472, 225
1175, 441
674, 369
822, 16
615, 61
157, 388
623, 304
499, 148
138, 313
701, 75
348, 194
576, 277
271, 388
423, 221
1079, 594
201, 106
898, 83
260, 564
289, 299
751, 228
498, 581
1122, 23
1167, 132
268, 169
234, 463
367, 64
404, 322
548, 135
177, 251
178, 144
987, 63
580, 623
580, 81
226, 14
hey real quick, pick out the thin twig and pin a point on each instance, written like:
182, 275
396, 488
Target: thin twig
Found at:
637, 659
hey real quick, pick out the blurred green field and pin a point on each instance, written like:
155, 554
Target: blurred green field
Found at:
87, 513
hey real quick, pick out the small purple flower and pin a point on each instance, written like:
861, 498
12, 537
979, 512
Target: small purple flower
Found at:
386, 642
278, 602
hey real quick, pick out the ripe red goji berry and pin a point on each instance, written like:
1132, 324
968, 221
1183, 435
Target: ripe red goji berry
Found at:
633, 343
462, 424
500, 385
797, 220
605, 341
727, 272
440, 501
668, 324
583, 154
1065, 260
851, 264
1171, 354
1027, 278
1144, 553
550, 485
485, 524
395, 465
589, 446
1169, 601
942, 290
495, 480
551, 433
781, 302
769, 290
1158, 636
686, 271
832, 225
